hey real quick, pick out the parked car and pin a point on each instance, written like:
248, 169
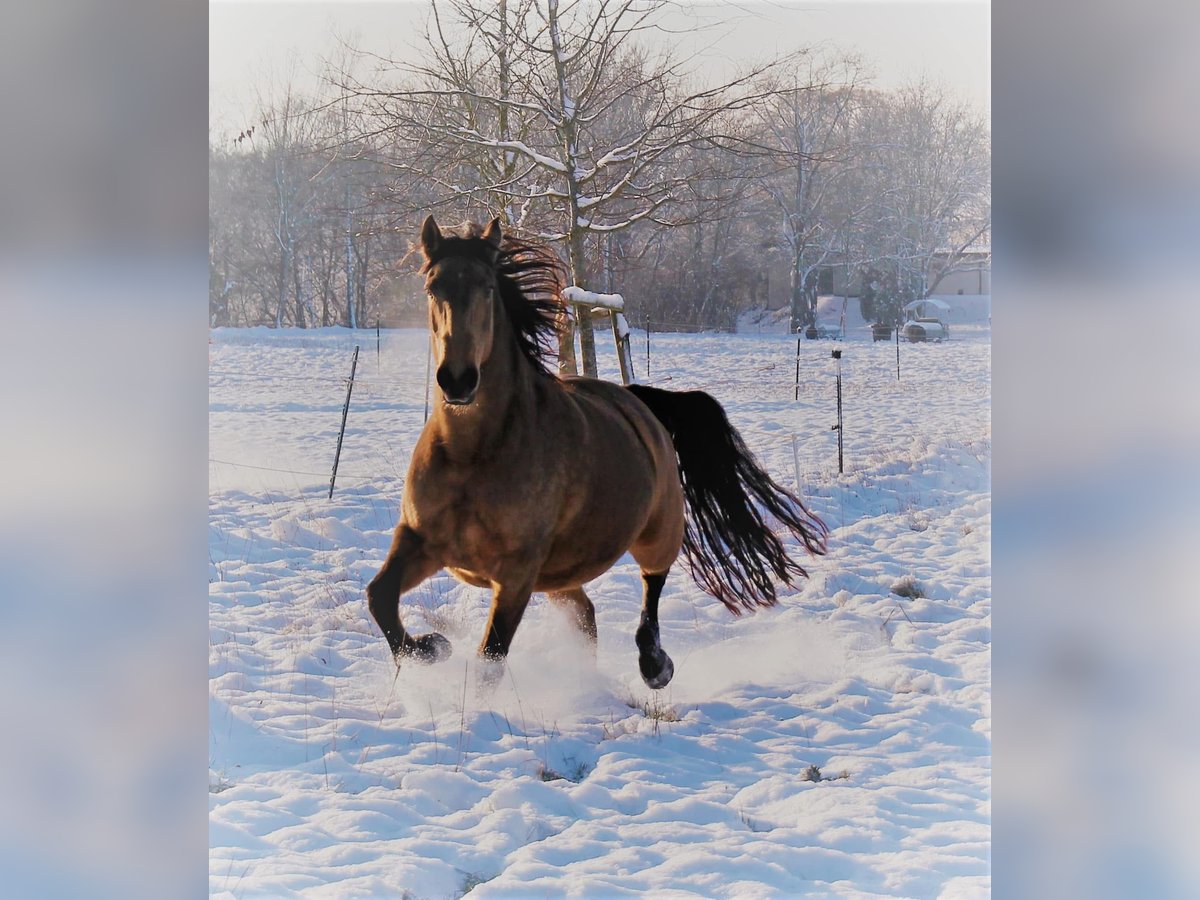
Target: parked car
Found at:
926, 328
924, 321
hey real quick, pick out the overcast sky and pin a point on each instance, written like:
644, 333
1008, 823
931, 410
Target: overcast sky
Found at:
948, 41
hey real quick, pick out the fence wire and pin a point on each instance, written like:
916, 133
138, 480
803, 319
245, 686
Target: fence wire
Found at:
387, 398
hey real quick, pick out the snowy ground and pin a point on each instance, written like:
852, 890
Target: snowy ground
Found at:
331, 775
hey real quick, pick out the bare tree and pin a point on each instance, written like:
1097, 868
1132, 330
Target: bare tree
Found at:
519, 99
282, 145
933, 184
561, 117
243, 250
807, 124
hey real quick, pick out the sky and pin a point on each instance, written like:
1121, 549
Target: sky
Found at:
251, 41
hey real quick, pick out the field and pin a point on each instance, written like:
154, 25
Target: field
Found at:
836, 745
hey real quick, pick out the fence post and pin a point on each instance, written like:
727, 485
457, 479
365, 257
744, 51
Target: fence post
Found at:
345, 412
797, 397
377, 345
897, 350
837, 354
624, 359
647, 346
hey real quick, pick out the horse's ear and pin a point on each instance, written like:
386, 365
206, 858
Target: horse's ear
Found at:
492, 233
431, 237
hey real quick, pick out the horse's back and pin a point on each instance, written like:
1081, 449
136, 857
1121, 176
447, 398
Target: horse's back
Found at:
604, 400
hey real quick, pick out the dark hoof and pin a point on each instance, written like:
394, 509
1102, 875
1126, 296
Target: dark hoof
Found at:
657, 669
428, 648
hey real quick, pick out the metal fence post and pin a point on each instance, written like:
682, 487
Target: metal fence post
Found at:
837, 354
897, 351
345, 412
797, 397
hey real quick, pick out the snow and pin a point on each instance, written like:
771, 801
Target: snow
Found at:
334, 775
623, 330
939, 305
575, 294
521, 147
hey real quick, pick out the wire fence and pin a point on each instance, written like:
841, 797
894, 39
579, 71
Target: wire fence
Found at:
226, 462
391, 395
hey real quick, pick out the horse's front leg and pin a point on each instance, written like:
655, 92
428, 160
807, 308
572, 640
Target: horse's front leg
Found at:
509, 600
407, 565
656, 667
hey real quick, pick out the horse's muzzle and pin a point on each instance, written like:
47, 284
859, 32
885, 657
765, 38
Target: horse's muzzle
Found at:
458, 388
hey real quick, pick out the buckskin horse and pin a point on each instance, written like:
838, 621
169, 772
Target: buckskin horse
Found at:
525, 481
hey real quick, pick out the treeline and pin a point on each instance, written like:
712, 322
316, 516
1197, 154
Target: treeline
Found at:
680, 194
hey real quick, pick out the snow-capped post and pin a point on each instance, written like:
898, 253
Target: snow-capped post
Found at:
620, 327
585, 303
837, 354
342, 431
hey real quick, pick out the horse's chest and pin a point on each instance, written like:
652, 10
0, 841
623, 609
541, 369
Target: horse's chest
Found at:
476, 522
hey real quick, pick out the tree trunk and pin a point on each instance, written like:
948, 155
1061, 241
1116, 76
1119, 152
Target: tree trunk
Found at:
798, 318
364, 259
298, 294
281, 298
587, 337
567, 364
568, 133
351, 317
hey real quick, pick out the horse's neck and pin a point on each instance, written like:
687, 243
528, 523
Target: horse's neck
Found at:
505, 383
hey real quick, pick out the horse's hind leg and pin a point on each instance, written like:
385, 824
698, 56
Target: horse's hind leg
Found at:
657, 668
580, 605
406, 566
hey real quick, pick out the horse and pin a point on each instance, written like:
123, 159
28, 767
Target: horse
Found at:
523, 480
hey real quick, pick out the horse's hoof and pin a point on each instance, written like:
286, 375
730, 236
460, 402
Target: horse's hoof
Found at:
430, 648
657, 670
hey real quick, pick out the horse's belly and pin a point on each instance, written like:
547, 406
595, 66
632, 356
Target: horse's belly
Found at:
474, 579
579, 572
583, 554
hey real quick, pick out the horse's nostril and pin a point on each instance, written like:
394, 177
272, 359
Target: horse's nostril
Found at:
457, 386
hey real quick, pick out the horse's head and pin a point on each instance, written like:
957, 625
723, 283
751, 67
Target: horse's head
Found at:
460, 280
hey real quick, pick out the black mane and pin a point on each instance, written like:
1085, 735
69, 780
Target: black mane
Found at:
530, 279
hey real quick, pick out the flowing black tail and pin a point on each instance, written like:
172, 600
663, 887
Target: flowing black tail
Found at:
732, 551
